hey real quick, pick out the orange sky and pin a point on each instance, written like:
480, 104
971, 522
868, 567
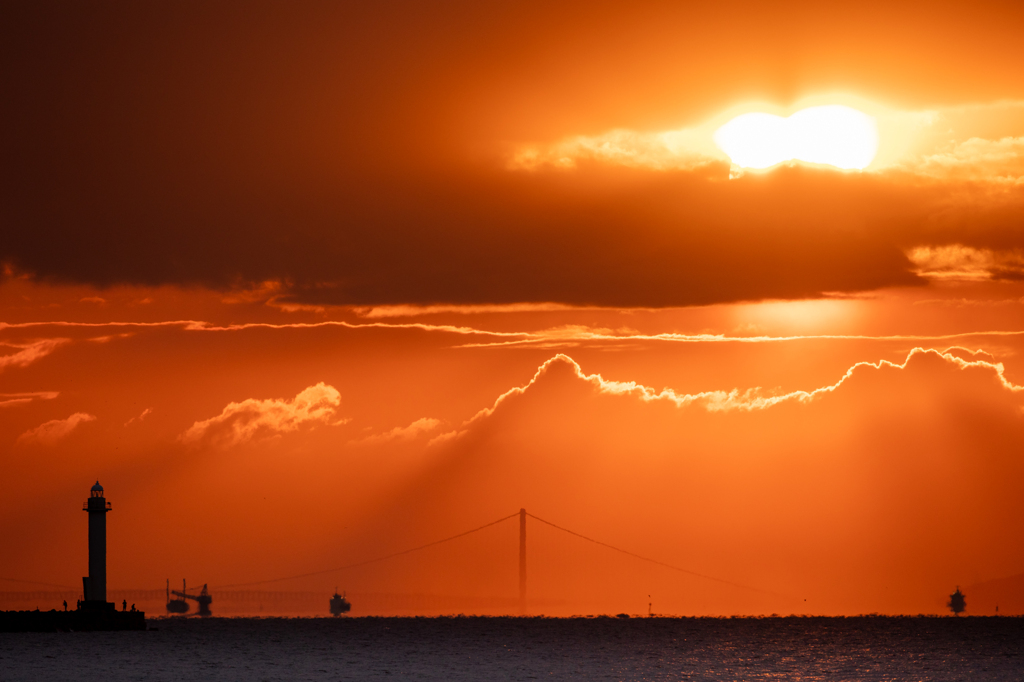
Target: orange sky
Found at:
307, 285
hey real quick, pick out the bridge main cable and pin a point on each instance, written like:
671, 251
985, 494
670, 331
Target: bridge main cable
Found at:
659, 563
370, 561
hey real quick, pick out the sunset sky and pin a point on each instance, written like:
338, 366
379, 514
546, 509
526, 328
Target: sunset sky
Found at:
737, 288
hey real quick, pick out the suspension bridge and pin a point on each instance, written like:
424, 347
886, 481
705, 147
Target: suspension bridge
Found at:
522, 515
253, 591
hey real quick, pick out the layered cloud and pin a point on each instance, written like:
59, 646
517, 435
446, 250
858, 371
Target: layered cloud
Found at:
48, 433
253, 418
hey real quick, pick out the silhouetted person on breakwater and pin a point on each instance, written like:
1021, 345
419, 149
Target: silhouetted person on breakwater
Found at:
65, 604
124, 605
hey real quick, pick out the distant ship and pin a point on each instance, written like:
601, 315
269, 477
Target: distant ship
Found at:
176, 605
181, 606
957, 602
339, 604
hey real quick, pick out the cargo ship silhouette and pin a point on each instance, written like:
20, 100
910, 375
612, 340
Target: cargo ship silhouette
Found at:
179, 605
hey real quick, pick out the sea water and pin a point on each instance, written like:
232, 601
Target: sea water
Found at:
472, 648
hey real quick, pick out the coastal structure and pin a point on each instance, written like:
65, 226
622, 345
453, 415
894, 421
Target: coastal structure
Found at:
94, 612
94, 586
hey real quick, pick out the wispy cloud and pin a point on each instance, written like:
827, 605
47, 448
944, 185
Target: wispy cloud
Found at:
386, 311
552, 337
400, 433
87, 325
29, 352
576, 334
202, 326
447, 328
54, 430
254, 418
10, 399
142, 416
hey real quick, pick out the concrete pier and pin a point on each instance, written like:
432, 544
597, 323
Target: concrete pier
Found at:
83, 620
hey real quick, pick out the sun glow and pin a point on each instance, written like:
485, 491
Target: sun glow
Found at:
833, 135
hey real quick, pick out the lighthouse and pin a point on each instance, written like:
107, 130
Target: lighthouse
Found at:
94, 612
95, 586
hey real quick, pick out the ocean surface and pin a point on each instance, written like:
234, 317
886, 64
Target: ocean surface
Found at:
472, 648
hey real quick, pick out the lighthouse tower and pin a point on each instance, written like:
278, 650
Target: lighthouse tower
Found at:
95, 586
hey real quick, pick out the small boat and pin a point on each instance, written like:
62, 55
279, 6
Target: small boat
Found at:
339, 604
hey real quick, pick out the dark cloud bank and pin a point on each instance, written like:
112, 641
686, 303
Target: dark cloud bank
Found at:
359, 157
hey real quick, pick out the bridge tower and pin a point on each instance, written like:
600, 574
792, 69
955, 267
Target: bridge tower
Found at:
95, 586
522, 561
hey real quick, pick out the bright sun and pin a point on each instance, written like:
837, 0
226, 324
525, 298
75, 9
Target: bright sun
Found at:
834, 135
